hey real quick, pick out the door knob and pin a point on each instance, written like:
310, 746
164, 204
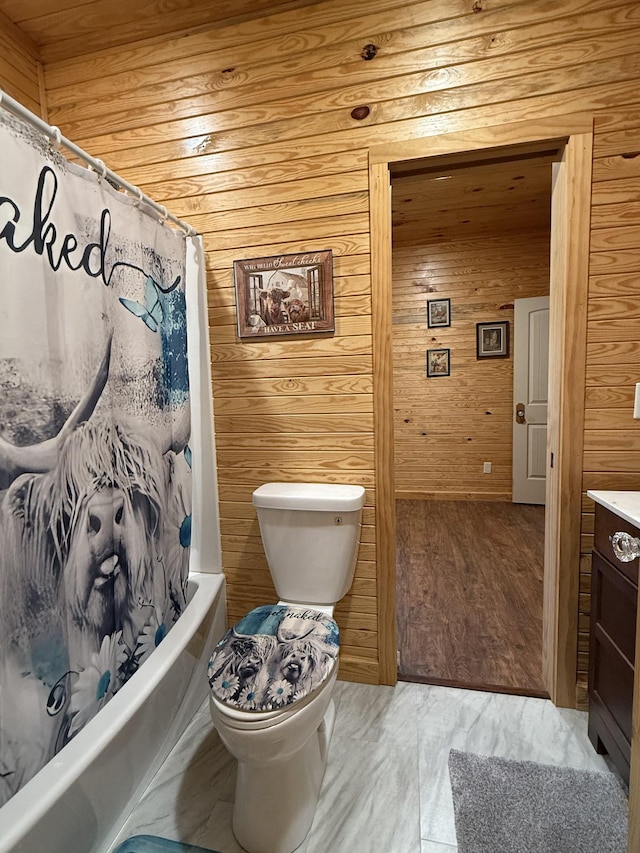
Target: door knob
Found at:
520, 413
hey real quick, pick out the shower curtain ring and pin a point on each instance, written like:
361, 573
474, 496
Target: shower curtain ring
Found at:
56, 142
138, 193
165, 214
102, 167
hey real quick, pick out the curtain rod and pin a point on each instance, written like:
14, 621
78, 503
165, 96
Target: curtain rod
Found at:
54, 135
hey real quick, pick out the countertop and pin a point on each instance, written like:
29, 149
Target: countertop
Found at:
624, 504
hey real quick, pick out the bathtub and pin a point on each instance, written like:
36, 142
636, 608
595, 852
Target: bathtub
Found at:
80, 799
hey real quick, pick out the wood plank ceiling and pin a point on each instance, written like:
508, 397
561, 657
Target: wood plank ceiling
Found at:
439, 199
61, 29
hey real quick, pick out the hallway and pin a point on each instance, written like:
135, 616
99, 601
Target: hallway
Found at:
469, 594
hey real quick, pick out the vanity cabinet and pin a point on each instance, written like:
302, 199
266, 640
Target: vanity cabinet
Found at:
614, 597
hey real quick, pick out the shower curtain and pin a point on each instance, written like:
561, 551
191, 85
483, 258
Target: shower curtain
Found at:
95, 461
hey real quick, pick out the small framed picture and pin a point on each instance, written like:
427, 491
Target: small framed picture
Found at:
492, 340
438, 362
438, 313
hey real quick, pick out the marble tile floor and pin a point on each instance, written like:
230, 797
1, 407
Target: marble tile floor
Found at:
386, 787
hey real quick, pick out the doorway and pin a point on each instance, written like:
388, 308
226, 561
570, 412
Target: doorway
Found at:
471, 241
570, 244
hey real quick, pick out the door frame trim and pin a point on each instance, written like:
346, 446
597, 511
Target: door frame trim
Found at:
562, 574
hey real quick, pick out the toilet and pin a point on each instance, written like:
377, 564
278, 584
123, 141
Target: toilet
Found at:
272, 674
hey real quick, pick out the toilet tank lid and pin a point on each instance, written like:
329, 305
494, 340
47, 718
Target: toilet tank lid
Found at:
330, 497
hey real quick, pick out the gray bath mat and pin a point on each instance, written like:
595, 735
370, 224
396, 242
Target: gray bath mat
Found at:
504, 806
155, 844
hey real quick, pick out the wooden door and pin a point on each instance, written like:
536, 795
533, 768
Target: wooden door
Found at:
530, 399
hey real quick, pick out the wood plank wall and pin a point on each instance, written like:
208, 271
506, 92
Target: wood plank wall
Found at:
612, 436
21, 74
446, 427
248, 132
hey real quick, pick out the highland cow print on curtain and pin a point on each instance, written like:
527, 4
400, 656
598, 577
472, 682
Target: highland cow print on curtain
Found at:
95, 465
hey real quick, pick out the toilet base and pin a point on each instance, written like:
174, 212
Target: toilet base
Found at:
275, 804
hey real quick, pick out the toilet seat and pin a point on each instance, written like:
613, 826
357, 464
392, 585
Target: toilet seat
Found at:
271, 662
238, 720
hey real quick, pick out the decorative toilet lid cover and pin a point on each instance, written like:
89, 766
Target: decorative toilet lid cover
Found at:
274, 656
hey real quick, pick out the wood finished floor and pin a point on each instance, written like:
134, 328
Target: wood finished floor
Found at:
469, 594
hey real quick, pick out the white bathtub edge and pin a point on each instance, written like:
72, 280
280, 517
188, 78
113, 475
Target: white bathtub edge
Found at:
41, 794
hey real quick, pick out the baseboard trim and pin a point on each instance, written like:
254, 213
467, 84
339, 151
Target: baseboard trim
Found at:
405, 495
485, 688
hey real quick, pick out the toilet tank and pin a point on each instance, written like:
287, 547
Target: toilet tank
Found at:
310, 533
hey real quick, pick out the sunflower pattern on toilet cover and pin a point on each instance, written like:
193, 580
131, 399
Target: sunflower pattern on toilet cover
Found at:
276, 655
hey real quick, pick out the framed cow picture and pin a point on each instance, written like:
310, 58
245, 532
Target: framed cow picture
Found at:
285, 295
